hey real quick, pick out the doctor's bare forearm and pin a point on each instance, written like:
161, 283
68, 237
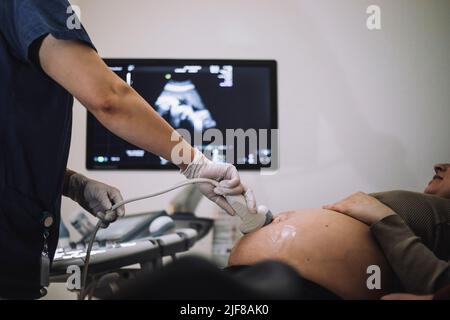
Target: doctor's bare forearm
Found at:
80, 70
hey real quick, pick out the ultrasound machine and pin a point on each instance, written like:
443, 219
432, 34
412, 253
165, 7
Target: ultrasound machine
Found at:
195, 95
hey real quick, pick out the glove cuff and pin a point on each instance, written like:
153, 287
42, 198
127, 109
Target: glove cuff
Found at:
75, 188
194, 168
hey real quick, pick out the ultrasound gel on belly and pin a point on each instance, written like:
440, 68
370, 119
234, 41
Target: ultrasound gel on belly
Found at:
288, 232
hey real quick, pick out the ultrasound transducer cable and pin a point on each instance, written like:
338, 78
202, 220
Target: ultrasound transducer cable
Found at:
250, 221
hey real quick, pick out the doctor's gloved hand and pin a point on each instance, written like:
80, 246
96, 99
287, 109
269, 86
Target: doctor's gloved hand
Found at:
226, 175
95, 197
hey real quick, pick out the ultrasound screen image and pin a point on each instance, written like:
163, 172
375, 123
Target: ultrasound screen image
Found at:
181, 105
195, 96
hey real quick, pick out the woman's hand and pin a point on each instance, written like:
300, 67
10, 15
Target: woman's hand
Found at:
362, 207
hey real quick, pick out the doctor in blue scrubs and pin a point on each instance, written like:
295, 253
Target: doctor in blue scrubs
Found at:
44, 64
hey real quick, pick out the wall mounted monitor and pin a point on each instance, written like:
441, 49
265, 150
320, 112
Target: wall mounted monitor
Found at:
195, 95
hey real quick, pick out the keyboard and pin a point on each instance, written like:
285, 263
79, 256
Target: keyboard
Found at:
106, 256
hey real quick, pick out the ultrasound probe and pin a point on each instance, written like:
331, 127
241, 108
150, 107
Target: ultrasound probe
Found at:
250, 221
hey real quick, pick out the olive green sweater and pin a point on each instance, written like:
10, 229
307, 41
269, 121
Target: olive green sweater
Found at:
416, 241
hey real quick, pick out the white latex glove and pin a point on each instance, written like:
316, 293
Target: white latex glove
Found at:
95, 197
228, 178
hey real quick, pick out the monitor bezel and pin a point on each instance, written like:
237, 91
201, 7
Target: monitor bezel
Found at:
271, 64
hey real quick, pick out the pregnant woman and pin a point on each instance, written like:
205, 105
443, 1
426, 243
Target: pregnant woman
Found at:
404, 234
324, 253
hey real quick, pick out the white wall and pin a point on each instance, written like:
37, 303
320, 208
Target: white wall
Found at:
358, 109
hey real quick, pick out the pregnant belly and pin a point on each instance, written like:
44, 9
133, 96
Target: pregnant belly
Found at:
326, 247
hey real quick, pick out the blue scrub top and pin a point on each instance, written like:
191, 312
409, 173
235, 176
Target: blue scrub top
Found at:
35, 129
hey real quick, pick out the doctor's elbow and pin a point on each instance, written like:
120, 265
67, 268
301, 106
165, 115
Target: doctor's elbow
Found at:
110, 102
